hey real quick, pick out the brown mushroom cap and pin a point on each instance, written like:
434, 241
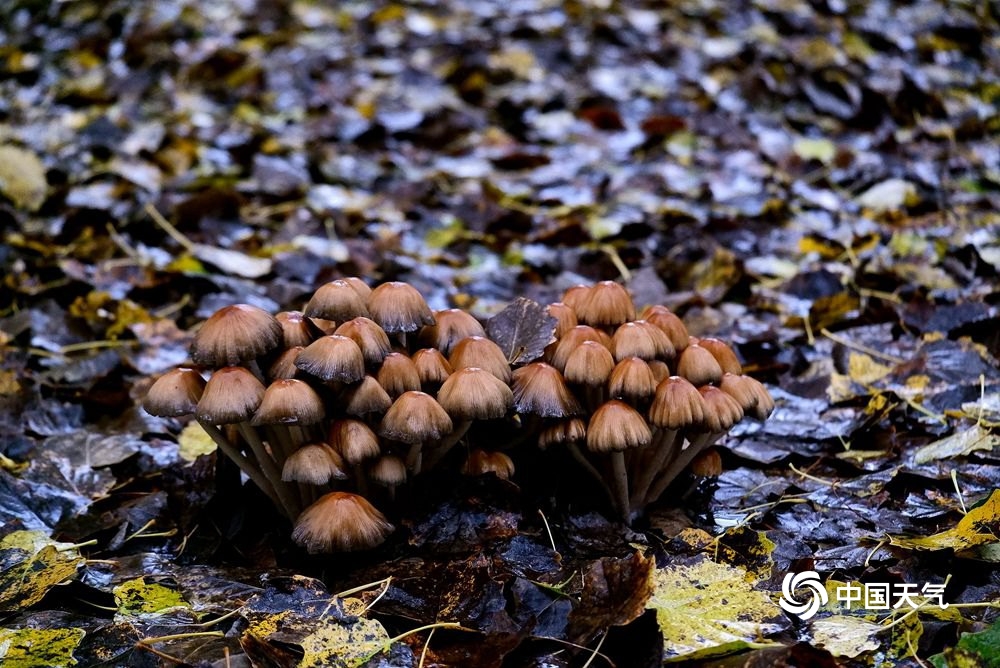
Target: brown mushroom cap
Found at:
573, 430
415, 418
475, 394
338, 301
632, 380
565, 317
359, 286
677, 405
670, 324
450, 327
398, 307
353, 440
660, 370
707, 464
175, 393
432, 367
699, 366
572, 339
315, 463
740, 389
398, 374
333, 358
297, 330
235, 334
616, 426
284, 366
388, 471
721, 410
481, 462
539, 389
765, 402
480, 352
607, 304
723, 354
231, 395
575, 296
365, 398
340, 522
641, 339
371, 338
289, 402
590, 364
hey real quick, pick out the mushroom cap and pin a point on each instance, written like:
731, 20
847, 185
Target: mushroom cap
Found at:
707, 463
365, 397
641, 339
337, 300
723, 354
371, 338
432, 367
388, 470
573, 338
564, 431
539, 389
480, 352
353, 440
340, 522
415, 417
316, 464
565, 317
616, 426
765, 402
677, 405
296, 329
660, 370
398, 374
284, 366
333, 358
450, 326
475, 394
235, 334
590, 364
699, 366
399, 307
175, 393
231, 395
607, 304
741, 390
575, 296
670, 324
721, 410
481, 462
359, 286
632, 380
289, 402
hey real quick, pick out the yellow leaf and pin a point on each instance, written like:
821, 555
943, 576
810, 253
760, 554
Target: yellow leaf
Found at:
33, 564
822, 150
864, 369
39, 648
708, 609
194, 441
137, 598
958, 445
980, 526
22, 177
335, 643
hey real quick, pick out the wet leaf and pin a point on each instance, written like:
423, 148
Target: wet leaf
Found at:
980, 526
22, 177
39, 648
137, 598
30, 565
708, 609
194, 441
522, 330
973, 650
958, 445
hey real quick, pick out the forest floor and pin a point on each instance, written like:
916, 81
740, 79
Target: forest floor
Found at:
817, 183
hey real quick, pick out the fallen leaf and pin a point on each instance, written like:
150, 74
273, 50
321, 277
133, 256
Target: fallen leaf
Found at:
958, 445
22, 177
39, 648
889, 195
522, 330
980, 526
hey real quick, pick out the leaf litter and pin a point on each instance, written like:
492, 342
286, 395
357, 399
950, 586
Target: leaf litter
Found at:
817, 184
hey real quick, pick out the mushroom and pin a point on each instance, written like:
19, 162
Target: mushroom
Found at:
398, 374
670, 324
333, 359
450, 327
723, 354
315, 464
607, 304
371, 338
338, 301
480, 462
470, 394
565, 346
614, 428
296, 329
590, 366
699, 366
415, 418
340, 522
388, 471
398, 308
432, 368
365, 398
480, 352
641, 339
235, 335
175, 393
632, 381
565, 317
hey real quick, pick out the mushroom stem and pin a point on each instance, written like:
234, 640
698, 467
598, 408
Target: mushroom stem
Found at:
620, 484
437, 454
680, 462
241, 460
270, 470
664, 446
574, 450
414, 458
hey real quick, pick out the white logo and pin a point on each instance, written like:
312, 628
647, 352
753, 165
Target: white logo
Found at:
809, 580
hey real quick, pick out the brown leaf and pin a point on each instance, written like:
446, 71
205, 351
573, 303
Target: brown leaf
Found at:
522, 330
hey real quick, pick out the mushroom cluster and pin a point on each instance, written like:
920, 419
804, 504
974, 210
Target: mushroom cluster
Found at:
333, 407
